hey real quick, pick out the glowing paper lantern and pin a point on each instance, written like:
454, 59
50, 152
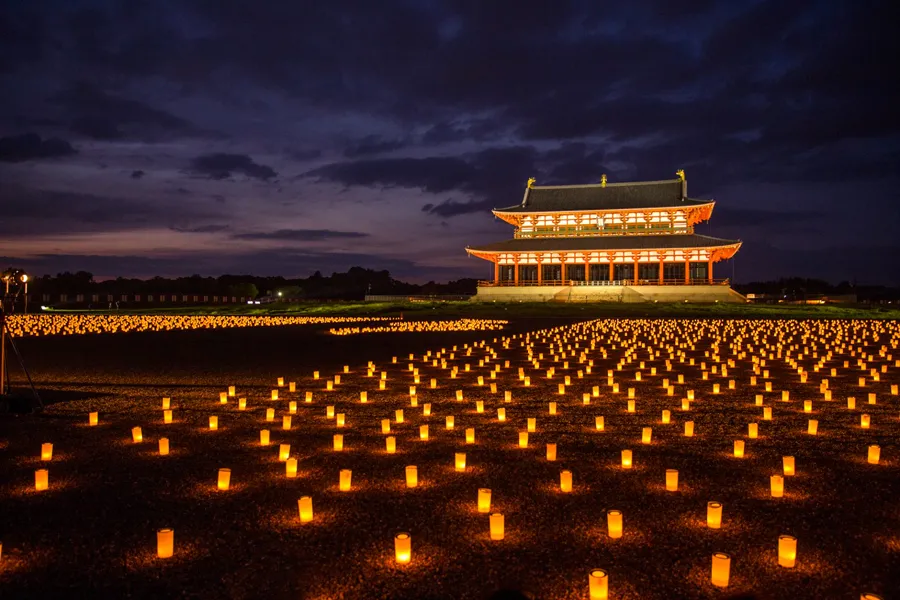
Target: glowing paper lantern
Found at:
167, 416
813, 427
752, 430
344, 482
470, 435
214, 422
284, 451
223, 397
496, 524
338, 442
41, 480
666, 416
402, 548
565, 481
721, 569
507, 396
788, 464
484, 500
807, 406
532, 424
163, 446
598, 584
551, 452
459, 395
390, 444
93, 419
398, 415
523, 439
340, 419
290, 467
224, 481
689, 429
308, 397
776, 485
685, 404
646, 435
274, 394
423, 432
714, 515
599, 423
304, 505
626, 459
864, 421
767, 413
631, 406
165, 543
286, 422
412, 476
552, 407
874, 454
449, 422
479, 406
270, 414
787, 551
671, 480
385, 426
614, 523
426, 409
739, 448
501, 414
46, 451
136, 435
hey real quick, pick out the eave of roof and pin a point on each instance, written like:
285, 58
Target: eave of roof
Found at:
593, 243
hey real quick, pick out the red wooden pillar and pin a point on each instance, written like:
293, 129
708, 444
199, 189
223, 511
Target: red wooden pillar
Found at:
636, 264
612, 269
497, 272
587, 269
562, 268
540, 270
687, 271
516, 271
709, 272
662, 271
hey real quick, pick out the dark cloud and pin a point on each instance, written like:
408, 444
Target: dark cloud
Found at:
299, 235
137, 174
741, 217
30, 146
373, 144
202, 229
223, 166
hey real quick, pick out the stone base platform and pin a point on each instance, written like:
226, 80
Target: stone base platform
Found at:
610, 293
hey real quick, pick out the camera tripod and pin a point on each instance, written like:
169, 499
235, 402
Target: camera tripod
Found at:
6, 338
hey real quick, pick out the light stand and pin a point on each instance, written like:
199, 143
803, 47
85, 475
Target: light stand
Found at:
7, 306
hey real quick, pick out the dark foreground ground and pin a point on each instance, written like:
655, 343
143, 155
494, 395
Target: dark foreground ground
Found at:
93, 533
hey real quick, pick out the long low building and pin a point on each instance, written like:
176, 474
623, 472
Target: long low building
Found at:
636, 237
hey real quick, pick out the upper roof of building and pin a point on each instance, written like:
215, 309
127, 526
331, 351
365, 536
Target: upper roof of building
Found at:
669, 193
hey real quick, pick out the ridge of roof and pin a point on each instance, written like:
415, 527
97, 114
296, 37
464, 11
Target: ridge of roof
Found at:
602, 185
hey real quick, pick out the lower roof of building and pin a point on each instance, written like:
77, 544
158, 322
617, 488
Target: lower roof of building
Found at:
589, 243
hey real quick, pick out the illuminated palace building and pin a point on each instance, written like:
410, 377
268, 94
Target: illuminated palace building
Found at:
625, 242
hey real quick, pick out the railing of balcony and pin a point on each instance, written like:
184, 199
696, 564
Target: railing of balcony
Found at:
619, 282
594, 230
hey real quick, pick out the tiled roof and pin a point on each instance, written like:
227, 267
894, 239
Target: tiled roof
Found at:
644, 194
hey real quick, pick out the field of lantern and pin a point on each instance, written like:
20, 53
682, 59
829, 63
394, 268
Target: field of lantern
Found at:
603, 459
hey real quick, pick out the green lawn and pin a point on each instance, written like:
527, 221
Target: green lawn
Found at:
419, 310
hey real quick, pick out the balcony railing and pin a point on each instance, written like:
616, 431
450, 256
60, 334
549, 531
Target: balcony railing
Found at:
616, 282
594, 230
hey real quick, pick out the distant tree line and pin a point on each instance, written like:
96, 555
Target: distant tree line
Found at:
352, 285
798, 288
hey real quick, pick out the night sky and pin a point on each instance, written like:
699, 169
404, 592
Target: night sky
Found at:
156, 137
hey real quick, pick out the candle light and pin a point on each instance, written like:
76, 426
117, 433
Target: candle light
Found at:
286, 422
340, 419
671, 480
714, 515
398, 415
41, 480
614, 523
344, 484
685, 404
598, 584
412, 476
163, 446
304, 505
666, 416
460, 461
565, 481
523, 439
807, 406
496, 523
552, 407
270, 414
874, 454
165, 543
787, 551
223, 397
423, 432
136, 435
646, 435
290, 467
484, 500
284, 451
224, 479
551, 452
689, 429
338, 442
264, 437
46, 451
93, 419
813, 427
426, 409
501, 414
479, 406
308, 397
626, 459
385, 426
752, 430
767, 413
788, 464
390, 444
631, 406
507, 396
167, 416
459, 395
721, 569
403, 548
213, 422
599, 423
739, 448
449, 422
532, 424
776, 484
274, 394
864, 421
242, 404
470, 435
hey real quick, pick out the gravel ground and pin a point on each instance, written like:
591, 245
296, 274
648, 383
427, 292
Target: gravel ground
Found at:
93, 533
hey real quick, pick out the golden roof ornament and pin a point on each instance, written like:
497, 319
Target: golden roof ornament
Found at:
680, 173
603, 180
531, 181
